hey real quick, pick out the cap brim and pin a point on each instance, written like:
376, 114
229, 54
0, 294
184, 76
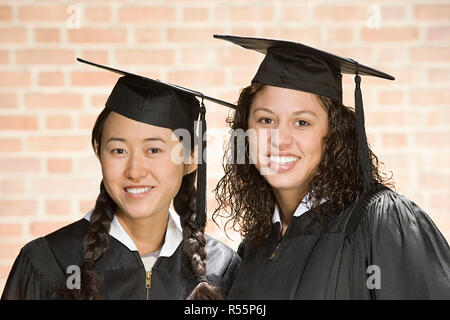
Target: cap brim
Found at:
173, 86
346, 65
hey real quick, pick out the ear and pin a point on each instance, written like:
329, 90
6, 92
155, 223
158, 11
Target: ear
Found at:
189, 168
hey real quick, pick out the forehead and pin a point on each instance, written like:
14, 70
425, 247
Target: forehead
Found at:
119, 126
285, 101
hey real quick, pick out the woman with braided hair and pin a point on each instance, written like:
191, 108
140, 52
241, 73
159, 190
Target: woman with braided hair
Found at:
133, 245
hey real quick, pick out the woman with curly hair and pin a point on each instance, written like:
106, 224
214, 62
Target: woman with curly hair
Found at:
317, 215
132, 245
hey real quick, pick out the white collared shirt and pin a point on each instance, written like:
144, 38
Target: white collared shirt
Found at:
173, 238
304, 206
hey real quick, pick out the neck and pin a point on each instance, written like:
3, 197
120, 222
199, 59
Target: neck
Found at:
147, 233
288, 201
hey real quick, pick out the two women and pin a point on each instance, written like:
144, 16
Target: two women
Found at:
132, 245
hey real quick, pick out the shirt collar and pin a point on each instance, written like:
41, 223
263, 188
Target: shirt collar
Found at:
303, 207
173, 238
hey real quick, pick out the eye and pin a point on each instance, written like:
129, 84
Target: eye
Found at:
118, 151
265, 120
302, 123
154, 150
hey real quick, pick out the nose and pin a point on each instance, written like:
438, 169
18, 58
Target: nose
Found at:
136, 169
280, 138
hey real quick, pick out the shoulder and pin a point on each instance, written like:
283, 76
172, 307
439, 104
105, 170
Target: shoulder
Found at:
67, 242
221, 259
216, 249
384, 208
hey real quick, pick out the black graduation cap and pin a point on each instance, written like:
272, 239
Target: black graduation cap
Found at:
296, 66
164, 105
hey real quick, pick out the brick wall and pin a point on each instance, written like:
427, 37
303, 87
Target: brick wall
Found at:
49, 176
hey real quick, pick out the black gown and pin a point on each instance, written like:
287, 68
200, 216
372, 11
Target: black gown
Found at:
40, 269
380, 247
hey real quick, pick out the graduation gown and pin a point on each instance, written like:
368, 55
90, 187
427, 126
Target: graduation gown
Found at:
382, 246
41, 269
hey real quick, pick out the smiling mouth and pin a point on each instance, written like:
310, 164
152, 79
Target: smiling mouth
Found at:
282, 160
138, 191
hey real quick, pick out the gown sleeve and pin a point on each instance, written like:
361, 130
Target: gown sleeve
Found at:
406, 255
34, 274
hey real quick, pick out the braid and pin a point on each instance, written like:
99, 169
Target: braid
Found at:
96, 242
194, 243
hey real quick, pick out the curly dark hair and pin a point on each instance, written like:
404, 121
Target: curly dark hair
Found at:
96, 242
247, 200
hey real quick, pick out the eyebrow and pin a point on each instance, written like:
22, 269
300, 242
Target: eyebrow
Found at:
145, 140
296, 113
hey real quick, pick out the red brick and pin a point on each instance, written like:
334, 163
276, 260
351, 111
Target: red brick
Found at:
10, 250
148, 35
97, 56
432, 12
391, 98
145, 57
196, 78
43, 13
14, 208
146, 14
340, 13
97, 14
58, 207
59, 165
53, 78
393, 13
97, 35
295, 13
394, 140
432, 139
86, 205
431, 180
5, 13
46, 56
59, 143
438, 75
20, 165
307, 35
58, 122
11, 144
198, 34
87, 121
15, 79
11, 186
390, 34
4, 57
18, 122
424, 97
8, 100
335, 34
61, 101
421, 54
236, 57
195, 14
11, 230
441, 33
88, 78
65, 186
13, 35
47, 35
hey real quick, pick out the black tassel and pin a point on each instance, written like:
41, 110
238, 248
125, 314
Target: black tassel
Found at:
363, 149
200, 218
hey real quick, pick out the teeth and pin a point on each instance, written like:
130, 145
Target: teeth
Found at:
137, 190
283, 160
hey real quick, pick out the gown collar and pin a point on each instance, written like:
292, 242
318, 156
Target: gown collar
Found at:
173, 238
303, 207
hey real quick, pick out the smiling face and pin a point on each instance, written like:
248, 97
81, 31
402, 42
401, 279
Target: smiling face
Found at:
138, 166
290, 126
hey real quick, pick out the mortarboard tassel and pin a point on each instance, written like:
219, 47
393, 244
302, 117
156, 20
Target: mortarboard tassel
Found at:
200, 218
363, 149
